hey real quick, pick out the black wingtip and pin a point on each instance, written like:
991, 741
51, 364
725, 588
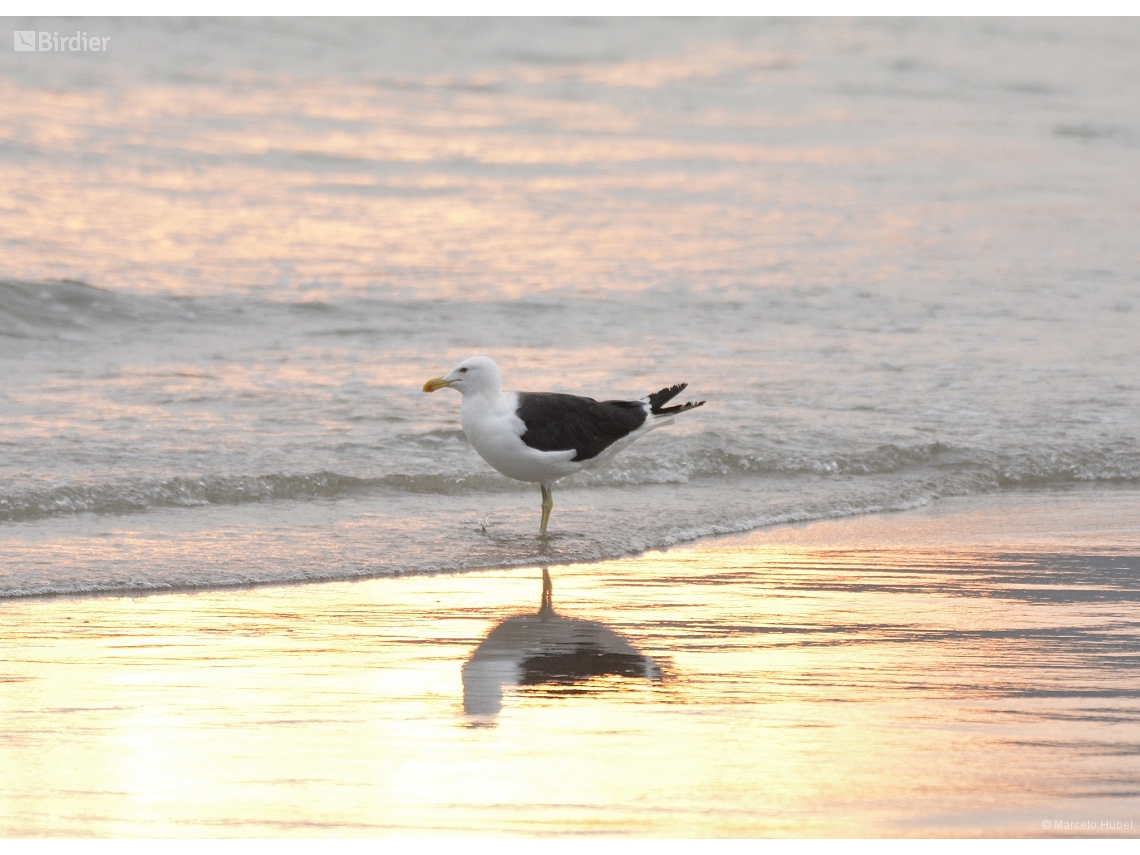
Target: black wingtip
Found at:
680, 408
657, 399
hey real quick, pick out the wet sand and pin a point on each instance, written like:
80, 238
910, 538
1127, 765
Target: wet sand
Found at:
968, 669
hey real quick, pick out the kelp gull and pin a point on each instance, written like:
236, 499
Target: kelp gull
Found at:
543, 436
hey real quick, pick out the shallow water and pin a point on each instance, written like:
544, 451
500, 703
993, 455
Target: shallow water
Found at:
966, 669
896, 257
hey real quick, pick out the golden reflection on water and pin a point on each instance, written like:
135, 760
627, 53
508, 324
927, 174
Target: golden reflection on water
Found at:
312, 183
786, 689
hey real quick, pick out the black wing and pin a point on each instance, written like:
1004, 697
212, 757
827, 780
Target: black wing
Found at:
556, 422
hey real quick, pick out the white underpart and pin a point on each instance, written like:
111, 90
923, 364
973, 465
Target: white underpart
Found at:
495, 431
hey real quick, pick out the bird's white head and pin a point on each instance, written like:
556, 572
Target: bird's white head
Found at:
474, 375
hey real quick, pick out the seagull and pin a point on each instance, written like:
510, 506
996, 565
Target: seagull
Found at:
540, 437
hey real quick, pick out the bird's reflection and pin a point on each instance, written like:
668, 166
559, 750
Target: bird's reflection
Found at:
545, 648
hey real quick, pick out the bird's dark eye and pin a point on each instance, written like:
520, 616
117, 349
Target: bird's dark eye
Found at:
462, 370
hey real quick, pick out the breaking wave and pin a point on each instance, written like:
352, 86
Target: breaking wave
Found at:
940, 470
188, 492
38, 309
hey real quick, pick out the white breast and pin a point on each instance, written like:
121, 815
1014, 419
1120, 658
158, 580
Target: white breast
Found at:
495, 432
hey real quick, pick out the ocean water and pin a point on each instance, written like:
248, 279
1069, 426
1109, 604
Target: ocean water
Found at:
898, 259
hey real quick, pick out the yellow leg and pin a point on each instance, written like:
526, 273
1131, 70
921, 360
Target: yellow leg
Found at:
547, 505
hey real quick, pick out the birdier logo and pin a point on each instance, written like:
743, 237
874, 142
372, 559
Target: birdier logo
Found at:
45, 41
